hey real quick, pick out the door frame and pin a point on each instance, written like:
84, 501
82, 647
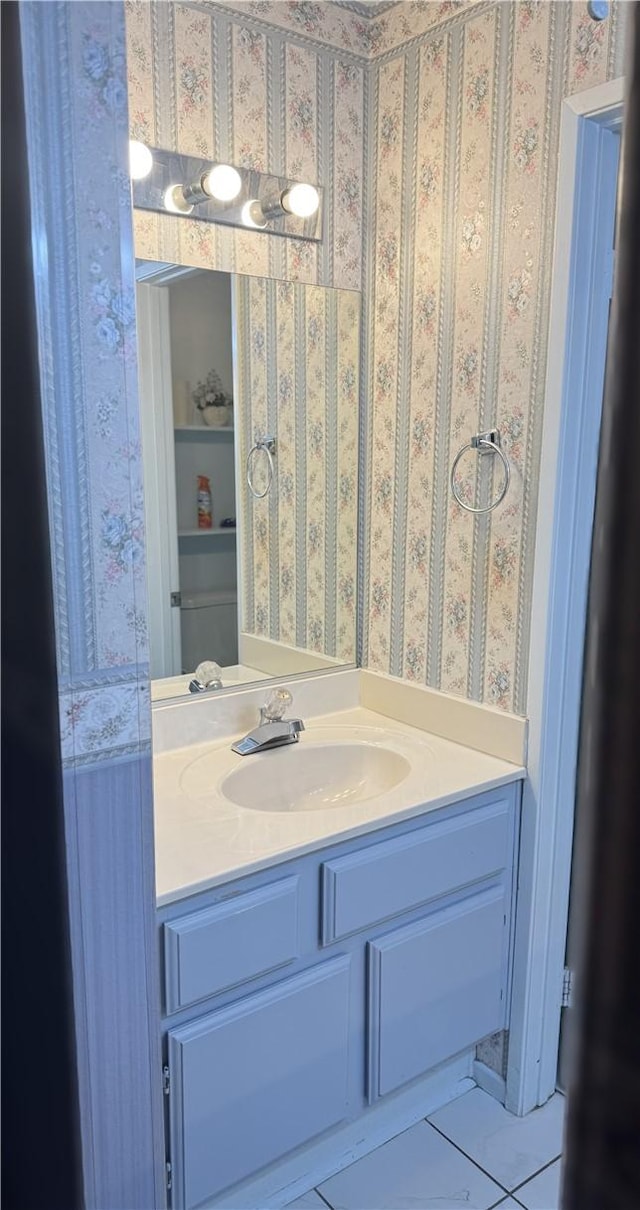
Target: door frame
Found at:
564, 523
158, 457
239, 465
154, 362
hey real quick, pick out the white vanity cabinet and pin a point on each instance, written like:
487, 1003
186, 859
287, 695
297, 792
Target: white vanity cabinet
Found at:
301, 999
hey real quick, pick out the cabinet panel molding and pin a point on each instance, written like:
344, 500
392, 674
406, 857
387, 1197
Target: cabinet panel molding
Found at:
398, 875
436, 987
223, 946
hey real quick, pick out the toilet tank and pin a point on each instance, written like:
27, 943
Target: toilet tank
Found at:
209, 625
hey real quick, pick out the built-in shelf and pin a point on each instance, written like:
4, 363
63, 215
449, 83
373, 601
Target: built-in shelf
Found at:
203, 430
216, 532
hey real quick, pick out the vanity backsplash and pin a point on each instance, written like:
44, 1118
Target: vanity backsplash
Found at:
213, 717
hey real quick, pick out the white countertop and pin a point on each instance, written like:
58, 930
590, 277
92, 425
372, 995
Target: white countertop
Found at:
202, 839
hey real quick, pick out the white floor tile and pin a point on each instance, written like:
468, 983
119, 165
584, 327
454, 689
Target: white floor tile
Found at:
308, 1201
542, 1192
509, 1148
417, 1169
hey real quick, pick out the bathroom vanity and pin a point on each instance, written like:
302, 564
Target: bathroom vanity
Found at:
335, 917
332, 980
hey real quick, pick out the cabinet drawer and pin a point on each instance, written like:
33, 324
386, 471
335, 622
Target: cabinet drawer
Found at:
253, 1080
436, 987
225, 945
397, 875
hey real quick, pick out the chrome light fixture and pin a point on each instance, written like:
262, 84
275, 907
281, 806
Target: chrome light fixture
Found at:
165, 181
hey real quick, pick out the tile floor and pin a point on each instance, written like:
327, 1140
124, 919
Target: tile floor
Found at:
471, 1154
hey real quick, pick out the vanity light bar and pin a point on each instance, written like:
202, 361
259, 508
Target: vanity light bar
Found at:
220, 193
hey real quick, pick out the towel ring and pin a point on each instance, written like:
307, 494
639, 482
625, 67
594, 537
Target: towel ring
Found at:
267, 445
484, 443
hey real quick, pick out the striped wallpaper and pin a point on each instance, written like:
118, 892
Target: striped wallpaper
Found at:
463, 128
434, 127
298, 361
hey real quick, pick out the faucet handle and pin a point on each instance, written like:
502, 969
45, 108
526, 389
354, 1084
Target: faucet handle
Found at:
208, 675
275, 706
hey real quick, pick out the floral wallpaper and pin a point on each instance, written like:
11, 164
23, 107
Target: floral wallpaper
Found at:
464, 127
298, 374
86, 321
434, 127
212, 80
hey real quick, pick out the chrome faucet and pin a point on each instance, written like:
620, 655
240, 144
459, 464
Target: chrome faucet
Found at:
274, 730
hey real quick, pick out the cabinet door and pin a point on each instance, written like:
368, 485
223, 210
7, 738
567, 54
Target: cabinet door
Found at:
251, 1081
435, 988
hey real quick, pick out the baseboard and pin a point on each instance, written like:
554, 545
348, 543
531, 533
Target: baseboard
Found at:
316, 1162
489, 1081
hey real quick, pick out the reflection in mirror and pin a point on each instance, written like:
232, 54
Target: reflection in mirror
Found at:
249, 404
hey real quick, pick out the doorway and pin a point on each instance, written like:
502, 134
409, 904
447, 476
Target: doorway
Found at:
581, 290
185, 359
601, 251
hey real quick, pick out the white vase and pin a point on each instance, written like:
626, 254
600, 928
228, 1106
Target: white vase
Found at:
216, 418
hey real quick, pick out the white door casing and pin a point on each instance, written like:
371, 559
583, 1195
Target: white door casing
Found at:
158, 459
582, 268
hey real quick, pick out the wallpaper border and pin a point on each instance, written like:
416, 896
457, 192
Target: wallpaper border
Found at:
368, 28
293, 36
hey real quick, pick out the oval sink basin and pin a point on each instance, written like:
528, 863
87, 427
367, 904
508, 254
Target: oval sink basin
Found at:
312, 777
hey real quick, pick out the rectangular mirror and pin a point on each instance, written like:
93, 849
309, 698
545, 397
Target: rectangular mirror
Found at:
249, 406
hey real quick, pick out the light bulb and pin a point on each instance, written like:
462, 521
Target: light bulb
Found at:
252, 214
223, 183
174, 200
140, 160
301, 200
